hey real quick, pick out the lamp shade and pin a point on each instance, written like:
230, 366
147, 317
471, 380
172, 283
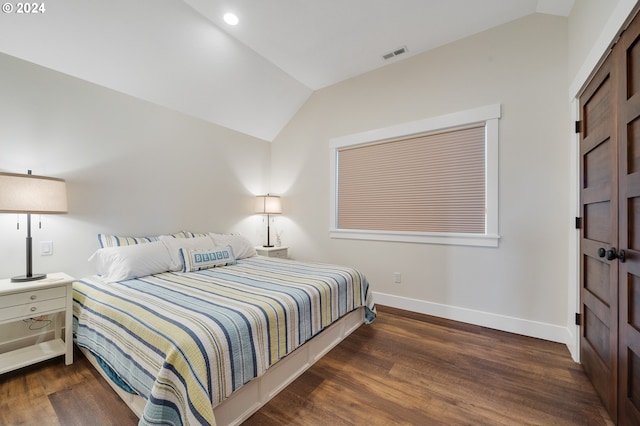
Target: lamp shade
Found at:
32, 194
268, 204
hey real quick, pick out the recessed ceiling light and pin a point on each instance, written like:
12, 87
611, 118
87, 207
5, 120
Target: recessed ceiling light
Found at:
230, 19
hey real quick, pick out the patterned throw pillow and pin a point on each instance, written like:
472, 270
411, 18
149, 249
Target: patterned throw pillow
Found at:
188, 234
197, 260
106, 240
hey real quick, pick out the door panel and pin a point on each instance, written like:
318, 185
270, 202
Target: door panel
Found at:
597, 275
597, 226
599, 209
629, 226
633, 142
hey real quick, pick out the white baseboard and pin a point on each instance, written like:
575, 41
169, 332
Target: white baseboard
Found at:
573, 342
529, 328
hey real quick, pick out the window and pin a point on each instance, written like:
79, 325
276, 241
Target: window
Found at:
431, 181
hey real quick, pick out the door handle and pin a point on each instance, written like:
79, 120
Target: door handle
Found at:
601, 252
611, 254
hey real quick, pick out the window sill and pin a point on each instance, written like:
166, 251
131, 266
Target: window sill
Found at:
475, 240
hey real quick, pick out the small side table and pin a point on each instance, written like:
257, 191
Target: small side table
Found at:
29, 299
281, 252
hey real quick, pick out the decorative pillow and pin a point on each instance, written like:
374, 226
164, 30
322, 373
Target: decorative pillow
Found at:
175, 244
197, 260
188, 234
106, 240
131, 261
242, 247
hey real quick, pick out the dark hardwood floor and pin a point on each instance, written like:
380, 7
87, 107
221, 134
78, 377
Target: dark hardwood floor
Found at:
405, 368
51, 393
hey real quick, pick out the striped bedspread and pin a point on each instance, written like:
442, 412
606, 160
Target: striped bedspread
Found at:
186, 341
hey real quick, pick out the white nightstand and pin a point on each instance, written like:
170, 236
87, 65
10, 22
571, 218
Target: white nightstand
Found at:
273, 251
23, 300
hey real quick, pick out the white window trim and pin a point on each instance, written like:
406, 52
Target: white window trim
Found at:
489, 114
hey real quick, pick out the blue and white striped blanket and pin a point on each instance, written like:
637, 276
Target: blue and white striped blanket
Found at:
186, 341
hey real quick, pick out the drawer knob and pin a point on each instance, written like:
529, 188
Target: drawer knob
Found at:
33, 309
34, 297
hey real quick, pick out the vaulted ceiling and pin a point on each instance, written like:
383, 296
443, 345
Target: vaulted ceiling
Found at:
254, 76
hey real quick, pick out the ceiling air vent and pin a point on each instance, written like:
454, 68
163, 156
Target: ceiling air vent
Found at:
396, 52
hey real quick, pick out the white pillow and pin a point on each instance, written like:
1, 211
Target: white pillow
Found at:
132, 261
197, 260
175, 244
242, 247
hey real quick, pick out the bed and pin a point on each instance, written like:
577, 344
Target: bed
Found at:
202, 345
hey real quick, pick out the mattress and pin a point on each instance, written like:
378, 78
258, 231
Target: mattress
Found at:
186, 341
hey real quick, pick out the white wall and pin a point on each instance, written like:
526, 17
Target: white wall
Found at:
522, 285
586, 23
131, 167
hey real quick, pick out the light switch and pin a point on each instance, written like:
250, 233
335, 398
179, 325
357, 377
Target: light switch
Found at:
46, 248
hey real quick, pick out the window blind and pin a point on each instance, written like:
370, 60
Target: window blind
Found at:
427, 183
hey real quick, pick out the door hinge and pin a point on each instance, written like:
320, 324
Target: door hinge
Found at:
578, 126
578, 319
578, 223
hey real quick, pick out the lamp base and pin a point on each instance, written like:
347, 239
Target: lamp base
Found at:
24, 278
268, 246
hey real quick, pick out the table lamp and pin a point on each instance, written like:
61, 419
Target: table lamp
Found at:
268, 204
31, 194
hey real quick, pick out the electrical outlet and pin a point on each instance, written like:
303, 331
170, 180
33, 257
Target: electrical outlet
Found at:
46, 248
397, 276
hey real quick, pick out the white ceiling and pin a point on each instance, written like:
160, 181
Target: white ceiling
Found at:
252, 77
322, 42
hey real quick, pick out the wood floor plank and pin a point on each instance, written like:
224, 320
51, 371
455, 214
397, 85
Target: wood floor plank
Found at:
23, 399
89, 401
404, 369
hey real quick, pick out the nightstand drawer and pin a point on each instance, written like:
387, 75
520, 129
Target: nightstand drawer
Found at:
279, 253
32, 309
32, 296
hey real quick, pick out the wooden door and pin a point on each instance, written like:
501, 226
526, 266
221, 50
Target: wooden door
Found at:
628, 49
599, 210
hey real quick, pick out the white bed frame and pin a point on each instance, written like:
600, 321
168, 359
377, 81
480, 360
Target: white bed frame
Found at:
252, 396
